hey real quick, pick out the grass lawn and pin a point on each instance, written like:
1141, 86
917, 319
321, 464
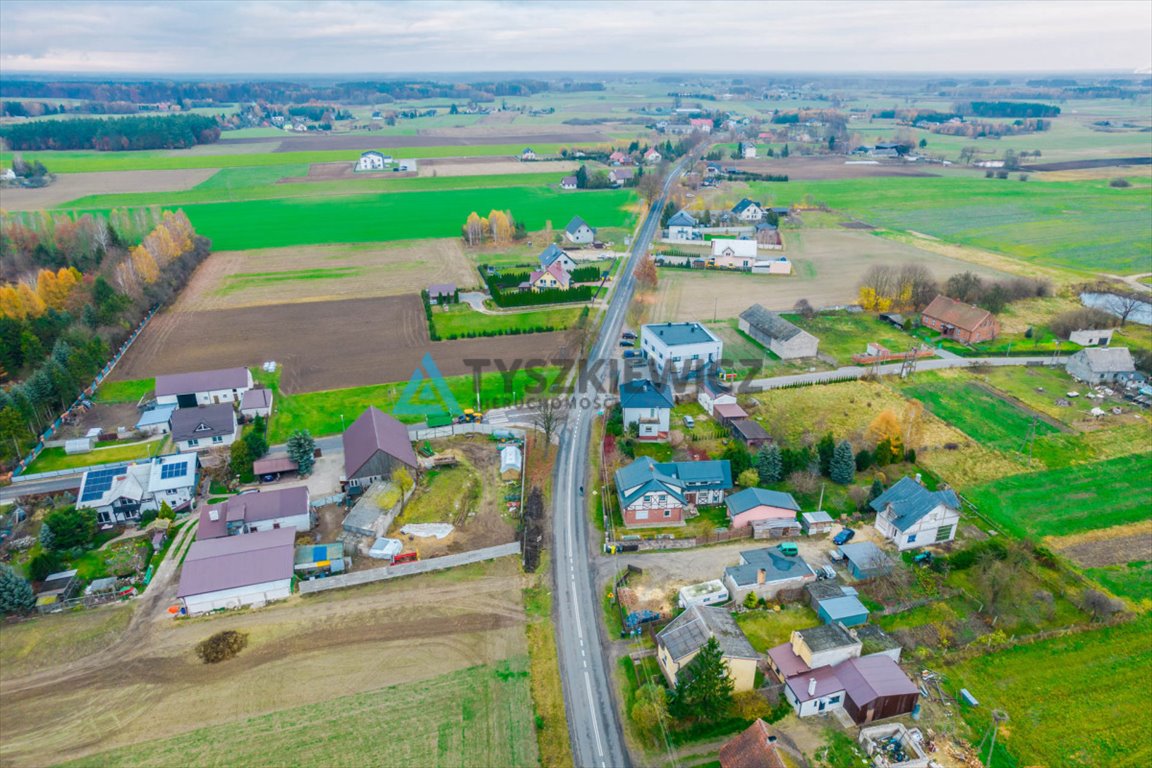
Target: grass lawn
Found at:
1039, 388
480, 716
1063, 501
366, 218
52, 459
979, 413
767, 629
124, 391
843, 334
1065, 698
441, 496
58, 638
86, 161
330, 411
458, 320
1085, 226
1132, 580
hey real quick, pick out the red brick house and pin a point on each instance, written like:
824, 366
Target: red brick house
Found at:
956, 320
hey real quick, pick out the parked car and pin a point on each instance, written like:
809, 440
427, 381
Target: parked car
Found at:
836, 556
843, 537
628, 335
689, 422
789, 549
631, 353
627, 343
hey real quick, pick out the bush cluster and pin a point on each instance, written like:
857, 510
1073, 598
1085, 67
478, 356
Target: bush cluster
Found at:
221, 646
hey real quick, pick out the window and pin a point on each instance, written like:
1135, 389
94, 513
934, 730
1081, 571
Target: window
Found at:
667, 513
944, 533
641, 514
193, 443
834, 700
218, 439
912, 538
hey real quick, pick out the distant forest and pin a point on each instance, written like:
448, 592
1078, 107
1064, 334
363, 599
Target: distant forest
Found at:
123, 133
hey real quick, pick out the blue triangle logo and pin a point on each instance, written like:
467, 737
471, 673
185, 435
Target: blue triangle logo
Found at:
426, 392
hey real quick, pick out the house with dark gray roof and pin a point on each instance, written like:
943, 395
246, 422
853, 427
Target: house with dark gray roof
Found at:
204, 428
235, 571
1101, 365
783, 338
909, 515
375, 446
659, 494
682, 226
188, 390
683, 348
554, 254
579, 232
648, 405
569, 182
767, 572
252, 512
748, 210
679, 643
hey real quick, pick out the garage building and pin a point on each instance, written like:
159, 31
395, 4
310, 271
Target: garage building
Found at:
235, 571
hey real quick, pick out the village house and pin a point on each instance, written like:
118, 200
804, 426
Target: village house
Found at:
120, 494
733, 254
252, 512
679, 642
569, 182
767, 572
965, 323
1101, 365
755, 504
660, 494
910, 516
702, 124
748, 210
442, 293
1092, 338
188, 390
372, 161
552, 277
204, 428
648, 405
868, 688
768, 236
578, 232
621, 176
256, 402
234, 571
619, 158
711, 393
754, 747
778, 266
823, 646
652, 156
553, 254
747, 150
527, 154
682, 226
682, 348
780, 336
375, 446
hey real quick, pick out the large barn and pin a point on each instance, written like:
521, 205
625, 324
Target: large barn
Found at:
375, 446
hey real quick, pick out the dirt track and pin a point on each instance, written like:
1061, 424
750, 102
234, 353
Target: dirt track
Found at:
304, 651
321, 345
69, 186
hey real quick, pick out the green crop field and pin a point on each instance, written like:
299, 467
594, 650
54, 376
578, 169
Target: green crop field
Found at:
374, 218
1081, 225
981, 414
330, 411
1083, 497
86, 161
1131, 580
480, 716
460, 320
1070, 700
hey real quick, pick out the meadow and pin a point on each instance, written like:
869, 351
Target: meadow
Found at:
360, 218
843, 334
124, 391
480, 716
1062, 501
52, 459
461, 320
1085, 226
978, 412
1065, 698
85, 161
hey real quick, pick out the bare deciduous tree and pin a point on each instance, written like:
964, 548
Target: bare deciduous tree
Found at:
548, 417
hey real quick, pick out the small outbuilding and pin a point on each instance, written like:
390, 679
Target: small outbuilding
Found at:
256, 402
313, 560
750, 433
846, 610
706, 593
866, 560
511, 462
816, 522
155, 421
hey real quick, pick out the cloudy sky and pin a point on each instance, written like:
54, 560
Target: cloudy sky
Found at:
286, 36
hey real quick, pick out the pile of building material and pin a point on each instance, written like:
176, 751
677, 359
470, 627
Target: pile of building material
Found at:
426, 530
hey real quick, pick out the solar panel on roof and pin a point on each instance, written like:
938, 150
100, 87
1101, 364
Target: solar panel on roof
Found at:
170, 471
97, 483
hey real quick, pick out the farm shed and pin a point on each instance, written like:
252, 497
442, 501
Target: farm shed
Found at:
511, 462
154, 421
188, 390
375, 445
273, 465
777, 334
234, 571
679, 642
750, 433
816, 522
256, 402
866, 560
876, 689
846, 610
57, 588
366, 516
319, 559
775, 529
754, 747
706, 593
1092, 338
726, 413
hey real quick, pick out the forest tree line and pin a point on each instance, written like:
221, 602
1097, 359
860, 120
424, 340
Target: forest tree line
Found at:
113, 134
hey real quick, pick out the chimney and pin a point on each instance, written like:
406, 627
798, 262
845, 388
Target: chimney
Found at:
761, 576
213, 514
811, 686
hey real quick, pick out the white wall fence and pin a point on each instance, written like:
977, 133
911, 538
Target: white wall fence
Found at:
433, 433
408, 569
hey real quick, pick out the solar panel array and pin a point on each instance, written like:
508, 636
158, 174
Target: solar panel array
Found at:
170, 471
97, 483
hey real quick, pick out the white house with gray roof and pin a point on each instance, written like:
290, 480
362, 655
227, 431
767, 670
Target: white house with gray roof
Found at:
579, 232
1100, 365
682, 227
188, 390
204, 428
648, 405
911, 516
777, 334
554, 254
682, 348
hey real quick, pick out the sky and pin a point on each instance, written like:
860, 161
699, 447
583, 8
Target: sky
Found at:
386, 37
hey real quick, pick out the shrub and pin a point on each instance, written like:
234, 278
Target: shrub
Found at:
804, 482
15, 593
221, 646
43, 564
71, 527
748, 478
1119, 183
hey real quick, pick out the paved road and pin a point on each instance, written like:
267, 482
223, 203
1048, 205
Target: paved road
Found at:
857, 371
593, 722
